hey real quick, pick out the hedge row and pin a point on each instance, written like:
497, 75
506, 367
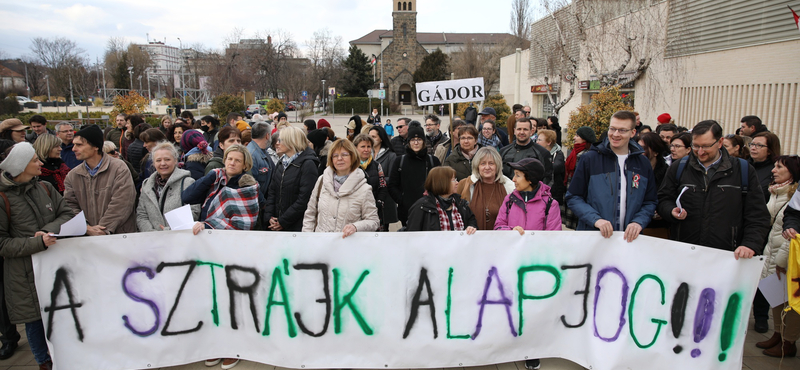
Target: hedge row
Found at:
357, 105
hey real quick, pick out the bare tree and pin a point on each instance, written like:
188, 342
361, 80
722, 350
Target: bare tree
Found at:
521, 19
475, 60
64, 61
325, 54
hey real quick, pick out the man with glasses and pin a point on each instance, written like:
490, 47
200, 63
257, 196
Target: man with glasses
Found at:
66, 133
527, 110
716, 209
433, 136
614, 188
399, 142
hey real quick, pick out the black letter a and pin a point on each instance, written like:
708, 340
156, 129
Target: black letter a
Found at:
416, 302
62, 280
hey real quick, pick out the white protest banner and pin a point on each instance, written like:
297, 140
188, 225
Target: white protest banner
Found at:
450, 91
392, 300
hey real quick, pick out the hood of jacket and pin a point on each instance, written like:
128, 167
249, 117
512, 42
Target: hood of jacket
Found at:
177, 175
507, 183
7, 185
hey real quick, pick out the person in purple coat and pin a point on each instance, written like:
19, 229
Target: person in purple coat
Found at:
530, 206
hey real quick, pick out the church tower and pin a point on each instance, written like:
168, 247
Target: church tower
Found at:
404, 54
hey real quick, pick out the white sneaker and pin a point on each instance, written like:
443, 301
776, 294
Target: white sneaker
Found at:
213, 361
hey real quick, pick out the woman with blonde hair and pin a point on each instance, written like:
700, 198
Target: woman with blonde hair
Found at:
54, 170
292, 181
486, 187
342, 199
166, 124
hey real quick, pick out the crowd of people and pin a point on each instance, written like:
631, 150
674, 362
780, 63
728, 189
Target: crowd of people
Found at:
735, 192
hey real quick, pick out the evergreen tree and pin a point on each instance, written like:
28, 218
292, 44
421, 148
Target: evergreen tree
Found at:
122, 79
358, 74
434, 67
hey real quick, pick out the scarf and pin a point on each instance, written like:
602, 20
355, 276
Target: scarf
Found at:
160, 183
572, 160
229, 208
338, 181
445, 218
58, 174
772, 188
468, 155
365, 164
493, 141
286, 160
485, 203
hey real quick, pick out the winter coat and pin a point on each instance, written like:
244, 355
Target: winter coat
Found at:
69, 156
290, 190
764, 172
329, 211
136, 152
115, 136
423, 215
441, 143
407, 184
399, 144
107, 198
215, 161
466, 187
717, 212
557, 188
459, 162
776, 252
791, 216
34, 206
196, 164
151, 209
532, 217
593, 193
386, 159
323, 157
515, 152
375, 175
443, 149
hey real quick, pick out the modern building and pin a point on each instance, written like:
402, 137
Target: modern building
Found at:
166, 61
402, 49
718, 61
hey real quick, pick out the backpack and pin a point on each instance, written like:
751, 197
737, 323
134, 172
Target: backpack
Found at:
471, 115
546, 207
742, 164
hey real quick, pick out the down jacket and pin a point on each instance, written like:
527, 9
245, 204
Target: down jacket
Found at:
151, 210
718, 214
34, 206
532, 217
290, 190
776, 252
107, 198
329, 211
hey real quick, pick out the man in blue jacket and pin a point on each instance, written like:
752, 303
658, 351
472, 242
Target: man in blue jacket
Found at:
614, 188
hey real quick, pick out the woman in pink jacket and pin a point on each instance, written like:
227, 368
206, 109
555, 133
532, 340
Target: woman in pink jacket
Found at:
530, 206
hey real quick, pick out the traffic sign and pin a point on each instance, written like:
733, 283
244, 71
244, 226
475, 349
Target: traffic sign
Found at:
331, 91
304, 93
382, 94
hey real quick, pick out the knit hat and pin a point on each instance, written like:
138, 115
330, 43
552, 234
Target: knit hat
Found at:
317, 137
193, 139
586, 133
323, 123
664, 118
93, 135
281, 115
19, 157
531, 167
417, 132
12, 124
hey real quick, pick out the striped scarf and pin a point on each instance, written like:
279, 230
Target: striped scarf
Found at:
444, 218
493, 141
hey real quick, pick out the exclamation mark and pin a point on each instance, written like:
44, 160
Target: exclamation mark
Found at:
703, 316
678, 312
728, 322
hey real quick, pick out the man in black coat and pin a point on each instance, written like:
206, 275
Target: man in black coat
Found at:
399, 142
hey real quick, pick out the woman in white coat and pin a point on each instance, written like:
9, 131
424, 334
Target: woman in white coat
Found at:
161, 192
342, 200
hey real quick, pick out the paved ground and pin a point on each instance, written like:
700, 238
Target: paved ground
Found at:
753, 359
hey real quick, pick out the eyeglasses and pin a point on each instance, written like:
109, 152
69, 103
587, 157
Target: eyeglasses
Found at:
430, 124
341, 155
415, 140
526, 112
400, 126
468, 138
704, 147
486, 129
677, 146
66, 131
623, 131
757, 145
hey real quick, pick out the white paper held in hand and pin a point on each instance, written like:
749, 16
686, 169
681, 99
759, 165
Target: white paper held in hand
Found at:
74, 227
678, 200
180, 218
774, 290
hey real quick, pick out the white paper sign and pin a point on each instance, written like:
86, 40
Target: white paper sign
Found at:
180, 218
392, 300
774, 290
678, 199
74, 227
450, 91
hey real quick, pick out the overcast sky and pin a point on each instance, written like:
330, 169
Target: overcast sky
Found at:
91, 23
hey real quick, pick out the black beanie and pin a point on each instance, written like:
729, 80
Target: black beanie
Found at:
415, 131
93, 135
317, 137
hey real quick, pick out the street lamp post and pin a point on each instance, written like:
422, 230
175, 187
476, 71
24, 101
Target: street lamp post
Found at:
105, 95
47, 80
183, 82
140, 83
148, 83
130, 73
323, 96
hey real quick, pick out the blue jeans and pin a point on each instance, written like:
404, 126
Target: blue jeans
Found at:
35, 332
